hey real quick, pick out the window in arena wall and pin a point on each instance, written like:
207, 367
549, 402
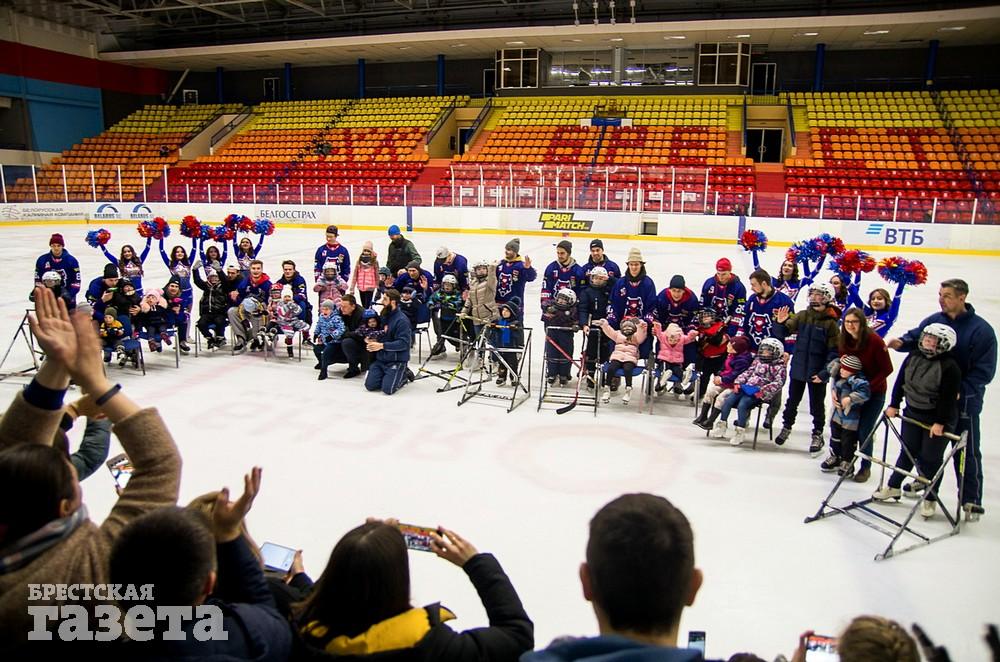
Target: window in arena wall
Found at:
724, 64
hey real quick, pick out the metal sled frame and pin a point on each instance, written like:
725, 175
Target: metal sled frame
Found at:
859, 510
649, 378
517, 393
548, 396
24, 332
453, 377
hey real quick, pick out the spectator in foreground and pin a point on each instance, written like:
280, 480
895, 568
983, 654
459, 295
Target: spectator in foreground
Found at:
45, 532
639, 575
360, 607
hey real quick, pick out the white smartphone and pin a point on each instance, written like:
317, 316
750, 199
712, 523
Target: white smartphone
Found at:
277, 557
821, 648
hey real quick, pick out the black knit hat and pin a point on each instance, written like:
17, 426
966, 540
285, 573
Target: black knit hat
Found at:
677, 282
111, 270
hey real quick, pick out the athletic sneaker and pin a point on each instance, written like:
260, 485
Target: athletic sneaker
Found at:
783, 436
606, 395
830, 464
719, 431
738, 434
816, 443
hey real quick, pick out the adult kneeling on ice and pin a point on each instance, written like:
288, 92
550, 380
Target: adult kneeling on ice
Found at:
389, 371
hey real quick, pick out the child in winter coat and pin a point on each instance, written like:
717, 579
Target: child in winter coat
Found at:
738, 359
930, 379
670, 357
371, 329
445, 305
385, 282
153, 318
560, 320
112, 332
327, 335
713, 346
625, 355
329, 284
285, 317
365, 276
752, 388
850, 390
212, 308
508, 334
593, 307
410, 302
481, 303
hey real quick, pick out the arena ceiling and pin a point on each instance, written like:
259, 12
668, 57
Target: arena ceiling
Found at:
132, 25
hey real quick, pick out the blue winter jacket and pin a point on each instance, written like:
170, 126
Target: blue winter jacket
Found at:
610, 648
330, 329
975, 352
396, 341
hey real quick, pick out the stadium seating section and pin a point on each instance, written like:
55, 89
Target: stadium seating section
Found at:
870, 155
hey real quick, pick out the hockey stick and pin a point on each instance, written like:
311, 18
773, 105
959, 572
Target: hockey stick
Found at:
581, 373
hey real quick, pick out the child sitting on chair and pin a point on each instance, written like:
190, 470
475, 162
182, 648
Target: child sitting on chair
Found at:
670, 357
112, 332
930, 380
850, 390
738, 360
754, 387
285, 317
508, 334
625, 355
153, 318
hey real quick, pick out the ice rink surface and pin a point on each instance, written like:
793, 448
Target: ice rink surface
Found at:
524, 485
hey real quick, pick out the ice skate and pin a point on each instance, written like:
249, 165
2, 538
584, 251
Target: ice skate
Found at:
738, 434
627, 396
719, 431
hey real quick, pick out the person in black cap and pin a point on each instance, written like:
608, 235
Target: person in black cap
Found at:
678, 304
599, 259
102, 290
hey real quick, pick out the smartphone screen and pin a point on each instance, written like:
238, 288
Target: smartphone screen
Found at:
417, 537
696, 640
121, 469
821, 648
277, 557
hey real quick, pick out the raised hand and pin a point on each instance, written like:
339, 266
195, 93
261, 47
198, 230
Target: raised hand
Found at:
227, 516
527, 262
51, 326
781, 315
452, 547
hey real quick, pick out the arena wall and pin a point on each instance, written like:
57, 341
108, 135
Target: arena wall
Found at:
867, 235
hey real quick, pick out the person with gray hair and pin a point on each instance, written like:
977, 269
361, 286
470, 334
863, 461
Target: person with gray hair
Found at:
976, 354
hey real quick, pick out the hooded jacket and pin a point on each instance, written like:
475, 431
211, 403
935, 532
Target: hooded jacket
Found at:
214, 299
422, 634
626, 348
481, 303
610, 648
767, 377
400, 254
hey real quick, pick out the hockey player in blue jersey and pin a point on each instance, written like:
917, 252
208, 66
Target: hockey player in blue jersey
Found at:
513, 273
726, 294
758, 317
60, 261
677, 304
448, 262
335, 251
599, 259
634, 295
563, 272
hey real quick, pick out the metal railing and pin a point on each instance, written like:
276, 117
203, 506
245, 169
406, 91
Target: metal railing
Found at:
480, 118
228, 127
666, 190
439, 122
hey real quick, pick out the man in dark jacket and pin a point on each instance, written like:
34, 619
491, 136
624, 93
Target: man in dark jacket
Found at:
213, 307
389, 371
173, 549
591, 307
639, 574
401, 252
976, 354
818, 328
351, 348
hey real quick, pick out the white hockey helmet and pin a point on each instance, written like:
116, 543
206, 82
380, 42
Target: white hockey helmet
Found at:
598, 272
51, 278
565, 298
945, 335
770, 350
449, 279
481, 262
825, 290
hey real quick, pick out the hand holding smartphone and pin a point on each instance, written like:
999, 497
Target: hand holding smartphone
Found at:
277, 557
696, 641
418, 538
821, 648
121, 470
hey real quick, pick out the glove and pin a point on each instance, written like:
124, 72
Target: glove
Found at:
749, 389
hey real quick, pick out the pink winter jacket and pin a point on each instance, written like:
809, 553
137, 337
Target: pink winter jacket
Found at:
626, 349
673, 353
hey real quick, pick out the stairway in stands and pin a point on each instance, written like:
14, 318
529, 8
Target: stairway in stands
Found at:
432, 172
769, 183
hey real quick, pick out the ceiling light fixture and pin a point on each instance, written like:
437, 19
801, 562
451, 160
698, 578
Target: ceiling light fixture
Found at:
458, 45
872, 32
738, 36
955, 28
806, 34
676, 36
404, 48
616, 39
515, 43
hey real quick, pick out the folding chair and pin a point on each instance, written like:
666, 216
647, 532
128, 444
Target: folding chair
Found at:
860, 510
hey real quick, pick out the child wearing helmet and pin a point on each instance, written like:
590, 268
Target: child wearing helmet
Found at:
560, 320
591, 309
930, 380
818, 329
53, 281
713, 348
330, 285
752, 388
445, 305
630, 335
851, 389
481, 304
